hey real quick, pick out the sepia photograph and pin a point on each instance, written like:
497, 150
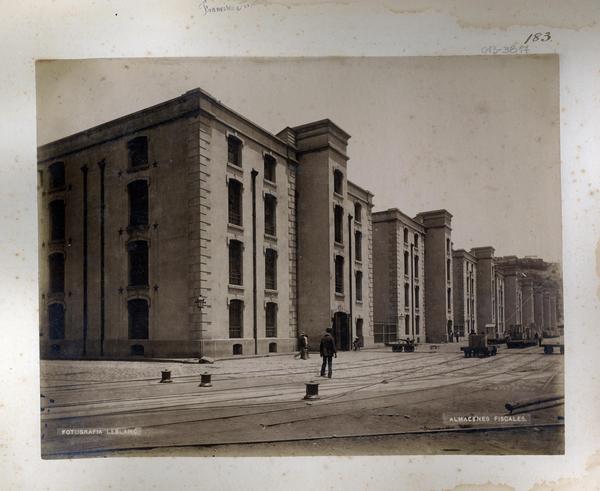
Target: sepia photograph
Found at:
300, 256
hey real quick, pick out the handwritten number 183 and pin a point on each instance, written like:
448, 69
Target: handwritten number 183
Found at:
538, 36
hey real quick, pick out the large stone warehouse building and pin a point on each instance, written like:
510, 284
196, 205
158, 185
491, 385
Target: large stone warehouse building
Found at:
185, 230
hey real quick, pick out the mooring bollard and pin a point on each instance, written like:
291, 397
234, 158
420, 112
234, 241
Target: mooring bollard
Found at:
205, 380
312, 390
165, 377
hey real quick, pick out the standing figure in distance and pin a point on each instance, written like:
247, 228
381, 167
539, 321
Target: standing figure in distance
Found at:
356, 343
328, 351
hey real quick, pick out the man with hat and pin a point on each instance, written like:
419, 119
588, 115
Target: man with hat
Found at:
328, 351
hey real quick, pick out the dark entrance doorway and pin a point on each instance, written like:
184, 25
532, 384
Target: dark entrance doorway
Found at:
341, 331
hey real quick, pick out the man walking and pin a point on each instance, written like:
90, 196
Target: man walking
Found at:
328, 351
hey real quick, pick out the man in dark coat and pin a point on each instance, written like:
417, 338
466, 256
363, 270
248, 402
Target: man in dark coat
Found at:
328, 351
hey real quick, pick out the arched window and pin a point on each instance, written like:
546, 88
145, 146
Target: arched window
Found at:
271, 269
234, 199
138, 263
271, 320
416, 241
57, 272
236, 318
138, 203
406, 266
405, 235
57, 220
358, 212
137, 310
138, 152
235, 262
56, 321
57, 175
338, 182
270, 214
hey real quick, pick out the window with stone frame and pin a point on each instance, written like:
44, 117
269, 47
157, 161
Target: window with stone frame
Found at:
138, 152
359, 286
57, 272
270, 168
57, 220
270, 215
138, 263
338, 216
235, 262
57, 175
56, 321
358, 245
271, 269
138, 203
339, 274
234, 151
236, 318
338, 182
234, 200
137, 310
358, 212
271, 320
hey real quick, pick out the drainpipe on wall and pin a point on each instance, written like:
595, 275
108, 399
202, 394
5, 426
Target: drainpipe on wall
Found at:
254, 291
351, 325
102, 165
84, 169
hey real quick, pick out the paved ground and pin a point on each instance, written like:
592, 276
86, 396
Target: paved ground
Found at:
374, 404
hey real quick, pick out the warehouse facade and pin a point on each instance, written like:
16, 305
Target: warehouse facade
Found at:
174, 231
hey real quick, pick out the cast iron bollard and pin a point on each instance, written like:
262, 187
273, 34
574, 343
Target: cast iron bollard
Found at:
165, 377
312, 390
205, 380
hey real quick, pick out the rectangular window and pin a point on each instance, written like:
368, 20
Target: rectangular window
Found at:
358, 245
271, 269
56, 321
138, 318
234, 151
406, 295
338, 182
339, 274
236, 317
358, 212
270, 166
138, 203
234, 200
406, 272
416, 266
235, 262
57, 220
449, 299
271, 320
138, 263
407, 325
138, 152
359, 292
270, 215
416, 297
417, 327
338, 215
57, 272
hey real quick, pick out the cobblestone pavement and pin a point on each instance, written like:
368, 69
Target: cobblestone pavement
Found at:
259, 401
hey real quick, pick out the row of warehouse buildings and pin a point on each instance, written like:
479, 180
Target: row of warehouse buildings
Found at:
185, 230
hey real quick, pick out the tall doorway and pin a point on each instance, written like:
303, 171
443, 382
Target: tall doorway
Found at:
341, 331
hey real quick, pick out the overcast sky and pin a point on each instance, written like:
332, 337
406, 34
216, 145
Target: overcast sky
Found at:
476, 135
